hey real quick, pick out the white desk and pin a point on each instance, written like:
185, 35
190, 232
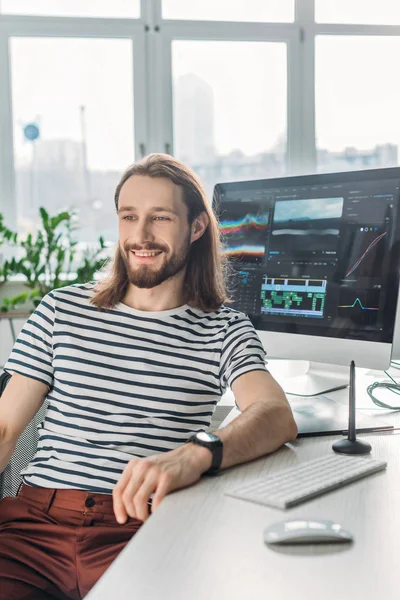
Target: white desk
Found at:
202, 545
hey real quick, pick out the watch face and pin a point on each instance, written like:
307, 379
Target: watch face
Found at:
204, 437
207, 437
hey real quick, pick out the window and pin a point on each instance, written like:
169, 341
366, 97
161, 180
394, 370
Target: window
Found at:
243, 86
79, 94
357, 100
230, 10
365, 12
230, 104
73, 8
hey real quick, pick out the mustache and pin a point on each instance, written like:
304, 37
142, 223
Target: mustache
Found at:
146, 248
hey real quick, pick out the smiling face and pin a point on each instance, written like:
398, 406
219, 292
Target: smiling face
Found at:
154, 232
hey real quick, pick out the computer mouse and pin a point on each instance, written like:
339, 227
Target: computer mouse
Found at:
306, 532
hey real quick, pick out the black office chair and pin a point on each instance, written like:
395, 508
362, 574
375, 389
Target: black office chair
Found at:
25, 449
4, 379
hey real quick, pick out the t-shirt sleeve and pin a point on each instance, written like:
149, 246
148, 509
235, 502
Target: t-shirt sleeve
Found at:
242, 351
32, 354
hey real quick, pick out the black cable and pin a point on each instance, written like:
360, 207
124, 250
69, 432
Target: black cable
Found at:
335, 389
392, 386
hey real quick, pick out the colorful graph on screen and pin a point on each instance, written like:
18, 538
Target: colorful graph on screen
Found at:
244, 233
359, 306
365, 253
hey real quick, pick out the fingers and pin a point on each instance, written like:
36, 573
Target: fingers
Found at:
142, 477
164, 486
154, 481
118, 502
137, 493
132, 492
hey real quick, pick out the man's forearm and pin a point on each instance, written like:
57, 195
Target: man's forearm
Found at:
258, 430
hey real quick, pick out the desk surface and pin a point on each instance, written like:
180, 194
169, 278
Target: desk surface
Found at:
201, 544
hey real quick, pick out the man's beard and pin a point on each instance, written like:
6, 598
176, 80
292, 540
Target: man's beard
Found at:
146, 276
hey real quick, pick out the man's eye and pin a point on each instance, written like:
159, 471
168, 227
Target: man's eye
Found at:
161, 218
128, 218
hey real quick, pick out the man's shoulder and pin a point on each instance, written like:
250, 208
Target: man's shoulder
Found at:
77, 292
223, 314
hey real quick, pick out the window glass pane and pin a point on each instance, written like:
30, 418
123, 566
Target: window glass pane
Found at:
278, 11
384, 12
79, 94
357, 102
230, 109
73, 8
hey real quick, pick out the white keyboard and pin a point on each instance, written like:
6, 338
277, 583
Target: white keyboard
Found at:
307, 480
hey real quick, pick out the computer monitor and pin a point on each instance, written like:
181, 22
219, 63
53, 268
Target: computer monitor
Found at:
315, 262
396, 336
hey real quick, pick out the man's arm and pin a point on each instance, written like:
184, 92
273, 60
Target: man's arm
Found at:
19, 403
264, 425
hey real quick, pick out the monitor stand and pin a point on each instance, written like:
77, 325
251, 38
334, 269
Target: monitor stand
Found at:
304, 378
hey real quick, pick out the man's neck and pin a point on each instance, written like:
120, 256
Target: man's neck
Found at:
163, 297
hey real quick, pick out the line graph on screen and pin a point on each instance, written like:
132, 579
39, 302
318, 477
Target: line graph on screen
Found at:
365, 253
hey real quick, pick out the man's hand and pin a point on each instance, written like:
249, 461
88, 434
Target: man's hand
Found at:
161, 474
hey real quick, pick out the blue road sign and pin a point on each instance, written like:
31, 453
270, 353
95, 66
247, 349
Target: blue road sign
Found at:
31, 132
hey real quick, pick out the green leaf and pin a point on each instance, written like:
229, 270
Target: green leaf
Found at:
60, 218
44, 215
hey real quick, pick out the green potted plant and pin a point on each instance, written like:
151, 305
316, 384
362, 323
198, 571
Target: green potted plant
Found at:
46, 259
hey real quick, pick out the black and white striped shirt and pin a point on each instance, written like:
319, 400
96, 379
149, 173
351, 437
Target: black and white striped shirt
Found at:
124, 383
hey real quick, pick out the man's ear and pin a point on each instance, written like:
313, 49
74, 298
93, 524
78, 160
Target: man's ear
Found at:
199, 226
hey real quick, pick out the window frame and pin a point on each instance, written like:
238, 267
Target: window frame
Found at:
153, 103
74, 28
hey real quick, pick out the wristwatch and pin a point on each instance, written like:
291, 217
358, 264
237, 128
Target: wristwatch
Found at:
214, 444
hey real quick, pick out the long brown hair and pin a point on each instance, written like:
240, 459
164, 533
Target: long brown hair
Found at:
205, 272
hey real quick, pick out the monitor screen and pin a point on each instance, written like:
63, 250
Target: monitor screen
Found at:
317, 254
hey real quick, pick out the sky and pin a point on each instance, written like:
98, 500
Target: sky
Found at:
357, 90
242, 75
52, 78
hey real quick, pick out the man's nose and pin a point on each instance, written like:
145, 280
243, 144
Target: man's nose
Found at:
143, 232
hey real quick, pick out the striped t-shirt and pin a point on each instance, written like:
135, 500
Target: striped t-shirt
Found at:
124, 383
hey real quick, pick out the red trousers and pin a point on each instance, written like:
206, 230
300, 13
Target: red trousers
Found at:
55, 544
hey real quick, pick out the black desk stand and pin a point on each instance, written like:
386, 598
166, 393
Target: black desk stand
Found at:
352, 445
